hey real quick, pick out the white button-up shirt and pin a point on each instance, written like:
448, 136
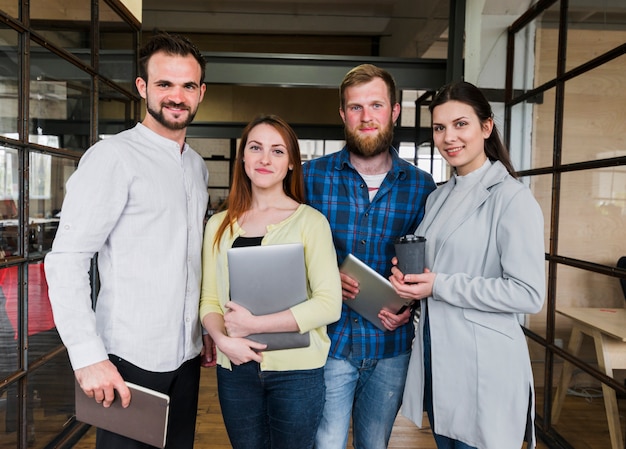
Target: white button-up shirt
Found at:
139, 203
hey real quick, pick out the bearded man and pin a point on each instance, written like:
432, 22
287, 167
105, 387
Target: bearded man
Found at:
138, 200
370, 197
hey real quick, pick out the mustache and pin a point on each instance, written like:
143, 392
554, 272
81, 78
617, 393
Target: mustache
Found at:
368, 126
171, 104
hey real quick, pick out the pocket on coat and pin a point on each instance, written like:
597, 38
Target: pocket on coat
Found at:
505, 324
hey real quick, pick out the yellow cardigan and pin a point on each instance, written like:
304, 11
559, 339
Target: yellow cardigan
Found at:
305, 225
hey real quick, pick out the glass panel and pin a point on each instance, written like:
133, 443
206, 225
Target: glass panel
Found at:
117, 45
544, 50
311, 149
60, 101
582, 418
543, 131
593, 28
10, 7
520, 146
115, 111
593, 215
43, 208
527, 58
9, 192
541, 186
60, 171
8, 321
8, 417
50, 393
64, 24
9, 93
407, 115
593, 119
582, 288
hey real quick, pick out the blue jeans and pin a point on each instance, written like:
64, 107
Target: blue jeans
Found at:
441, 441
270, 409
368, 390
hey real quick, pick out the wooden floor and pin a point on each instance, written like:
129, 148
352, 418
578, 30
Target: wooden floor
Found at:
210, 432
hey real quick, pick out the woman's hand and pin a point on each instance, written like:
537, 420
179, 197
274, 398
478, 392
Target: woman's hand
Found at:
412, 286
238, 320
241, 350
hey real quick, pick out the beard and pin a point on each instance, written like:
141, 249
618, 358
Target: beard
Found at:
159, 117
370, 146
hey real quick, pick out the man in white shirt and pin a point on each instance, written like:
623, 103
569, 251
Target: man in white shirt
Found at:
138, 201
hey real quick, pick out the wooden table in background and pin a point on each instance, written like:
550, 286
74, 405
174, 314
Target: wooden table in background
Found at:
607, 327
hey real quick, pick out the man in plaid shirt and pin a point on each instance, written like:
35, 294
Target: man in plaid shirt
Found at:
370, 197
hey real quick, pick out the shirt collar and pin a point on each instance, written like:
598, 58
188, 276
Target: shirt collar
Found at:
159, 140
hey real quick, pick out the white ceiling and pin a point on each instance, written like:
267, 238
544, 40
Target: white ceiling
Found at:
406, 28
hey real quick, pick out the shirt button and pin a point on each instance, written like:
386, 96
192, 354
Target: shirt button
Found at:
362, 186
363, 242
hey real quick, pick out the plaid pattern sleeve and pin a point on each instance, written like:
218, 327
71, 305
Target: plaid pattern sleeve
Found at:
367, 230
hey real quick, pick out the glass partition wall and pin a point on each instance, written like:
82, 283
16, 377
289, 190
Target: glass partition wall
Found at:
66, 74
565, 113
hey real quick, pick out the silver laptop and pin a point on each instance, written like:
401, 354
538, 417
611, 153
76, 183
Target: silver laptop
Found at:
269, 279
375, 291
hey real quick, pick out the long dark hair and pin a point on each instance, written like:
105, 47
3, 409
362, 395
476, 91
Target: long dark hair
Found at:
240, 195
467, 93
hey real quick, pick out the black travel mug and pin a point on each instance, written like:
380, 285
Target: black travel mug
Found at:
410, 253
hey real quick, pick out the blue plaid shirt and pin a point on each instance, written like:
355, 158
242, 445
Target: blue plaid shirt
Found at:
367, 230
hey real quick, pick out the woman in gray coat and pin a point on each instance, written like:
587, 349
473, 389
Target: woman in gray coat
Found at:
470, 367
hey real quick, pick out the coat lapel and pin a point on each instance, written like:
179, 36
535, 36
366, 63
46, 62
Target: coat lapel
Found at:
473, 198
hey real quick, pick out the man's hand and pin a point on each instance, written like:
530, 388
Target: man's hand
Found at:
391, 321
349, 287
100, 380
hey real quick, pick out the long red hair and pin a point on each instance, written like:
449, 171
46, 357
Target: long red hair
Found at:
240, 196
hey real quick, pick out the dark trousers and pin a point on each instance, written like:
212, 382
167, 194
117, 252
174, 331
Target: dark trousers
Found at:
182, 387
270, 409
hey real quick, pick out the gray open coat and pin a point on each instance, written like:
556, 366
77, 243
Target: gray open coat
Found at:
489, 259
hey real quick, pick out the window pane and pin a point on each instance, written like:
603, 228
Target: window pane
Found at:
9, 94
117, 45
594, 118
9, 197
115, 111
593, 28
51, 390
8, 322
542, 145
541, 187
536, 59
64, 24
60, 172
593, 216
10, 7
60, 101
582, 419
520, 146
